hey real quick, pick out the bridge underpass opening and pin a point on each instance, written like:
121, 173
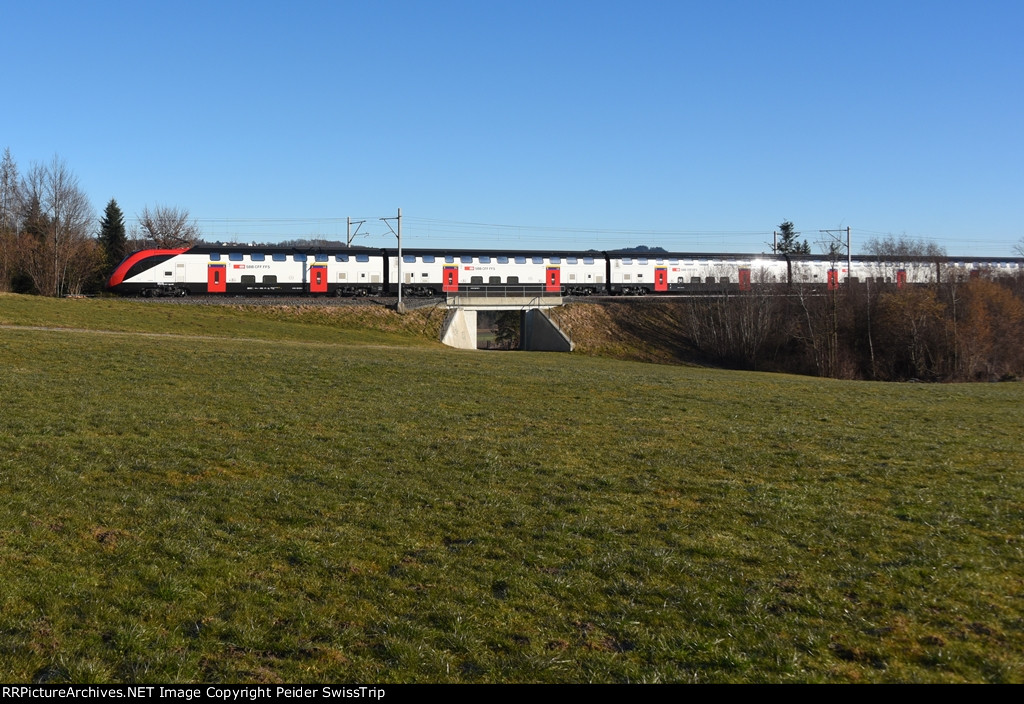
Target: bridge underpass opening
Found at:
498, 329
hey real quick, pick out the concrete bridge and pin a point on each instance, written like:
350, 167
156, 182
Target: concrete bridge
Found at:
537, 332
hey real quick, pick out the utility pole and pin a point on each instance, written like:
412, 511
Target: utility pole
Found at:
849, 256
398, 234
835, 242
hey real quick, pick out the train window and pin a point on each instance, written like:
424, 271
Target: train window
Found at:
269, 279
214, 257
409, 258
466, 259
679, 280
572, 277
362, 257
248, 279
236, 256
555, 260
673, 262
588, 260
724, 280
428, 259
449, 259
694, 279
709, 280
627, 260
341, 257
538, 260
299, 257
494, 279
425, 275
484, 259
512, 280
321, 258
571, 260
257, 256
659, 261
279, 257
520, 260
641, 260
503, 260
625, 277
476, 279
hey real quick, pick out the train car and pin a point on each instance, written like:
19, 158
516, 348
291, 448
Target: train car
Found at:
428, 272
243, 270
688, 273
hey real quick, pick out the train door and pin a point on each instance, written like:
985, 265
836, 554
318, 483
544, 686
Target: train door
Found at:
744, 279
450, 281
318, 279
553, 280
833, 279
216, 278
901, 278
661, 278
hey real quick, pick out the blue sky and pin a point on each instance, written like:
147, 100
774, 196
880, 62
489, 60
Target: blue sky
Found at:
692, 126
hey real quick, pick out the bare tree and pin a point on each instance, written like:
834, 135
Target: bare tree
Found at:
9, 208
55, 245
903, 247
165, 227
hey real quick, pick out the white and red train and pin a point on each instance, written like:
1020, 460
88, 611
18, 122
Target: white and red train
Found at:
256, 270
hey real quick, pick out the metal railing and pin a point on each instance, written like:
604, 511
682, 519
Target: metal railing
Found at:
477, 295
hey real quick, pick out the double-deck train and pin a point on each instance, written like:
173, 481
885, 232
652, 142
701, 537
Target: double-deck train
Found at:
259, 270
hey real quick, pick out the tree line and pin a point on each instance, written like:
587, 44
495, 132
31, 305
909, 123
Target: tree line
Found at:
958, 330
51, 242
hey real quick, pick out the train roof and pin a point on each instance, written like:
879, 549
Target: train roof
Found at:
222, 247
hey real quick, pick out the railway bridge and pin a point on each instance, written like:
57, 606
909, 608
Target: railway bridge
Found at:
538, 332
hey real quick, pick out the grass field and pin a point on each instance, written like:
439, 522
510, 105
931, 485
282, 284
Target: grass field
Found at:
243, 495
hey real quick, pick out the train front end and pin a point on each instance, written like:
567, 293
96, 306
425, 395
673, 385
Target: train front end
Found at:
151, 272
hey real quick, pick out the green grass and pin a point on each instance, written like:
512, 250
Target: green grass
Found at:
317, 503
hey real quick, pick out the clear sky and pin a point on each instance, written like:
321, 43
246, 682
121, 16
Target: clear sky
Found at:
696, 126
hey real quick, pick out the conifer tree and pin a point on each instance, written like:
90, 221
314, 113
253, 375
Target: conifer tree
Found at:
112, 235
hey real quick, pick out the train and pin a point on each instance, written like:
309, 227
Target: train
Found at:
234, 269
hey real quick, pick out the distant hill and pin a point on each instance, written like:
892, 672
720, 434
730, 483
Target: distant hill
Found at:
639, 249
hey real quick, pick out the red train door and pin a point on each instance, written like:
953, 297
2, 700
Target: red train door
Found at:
552, 280
450, 281
833, 279
901, 278
216, 278
318, 279
661, 278
744, 279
